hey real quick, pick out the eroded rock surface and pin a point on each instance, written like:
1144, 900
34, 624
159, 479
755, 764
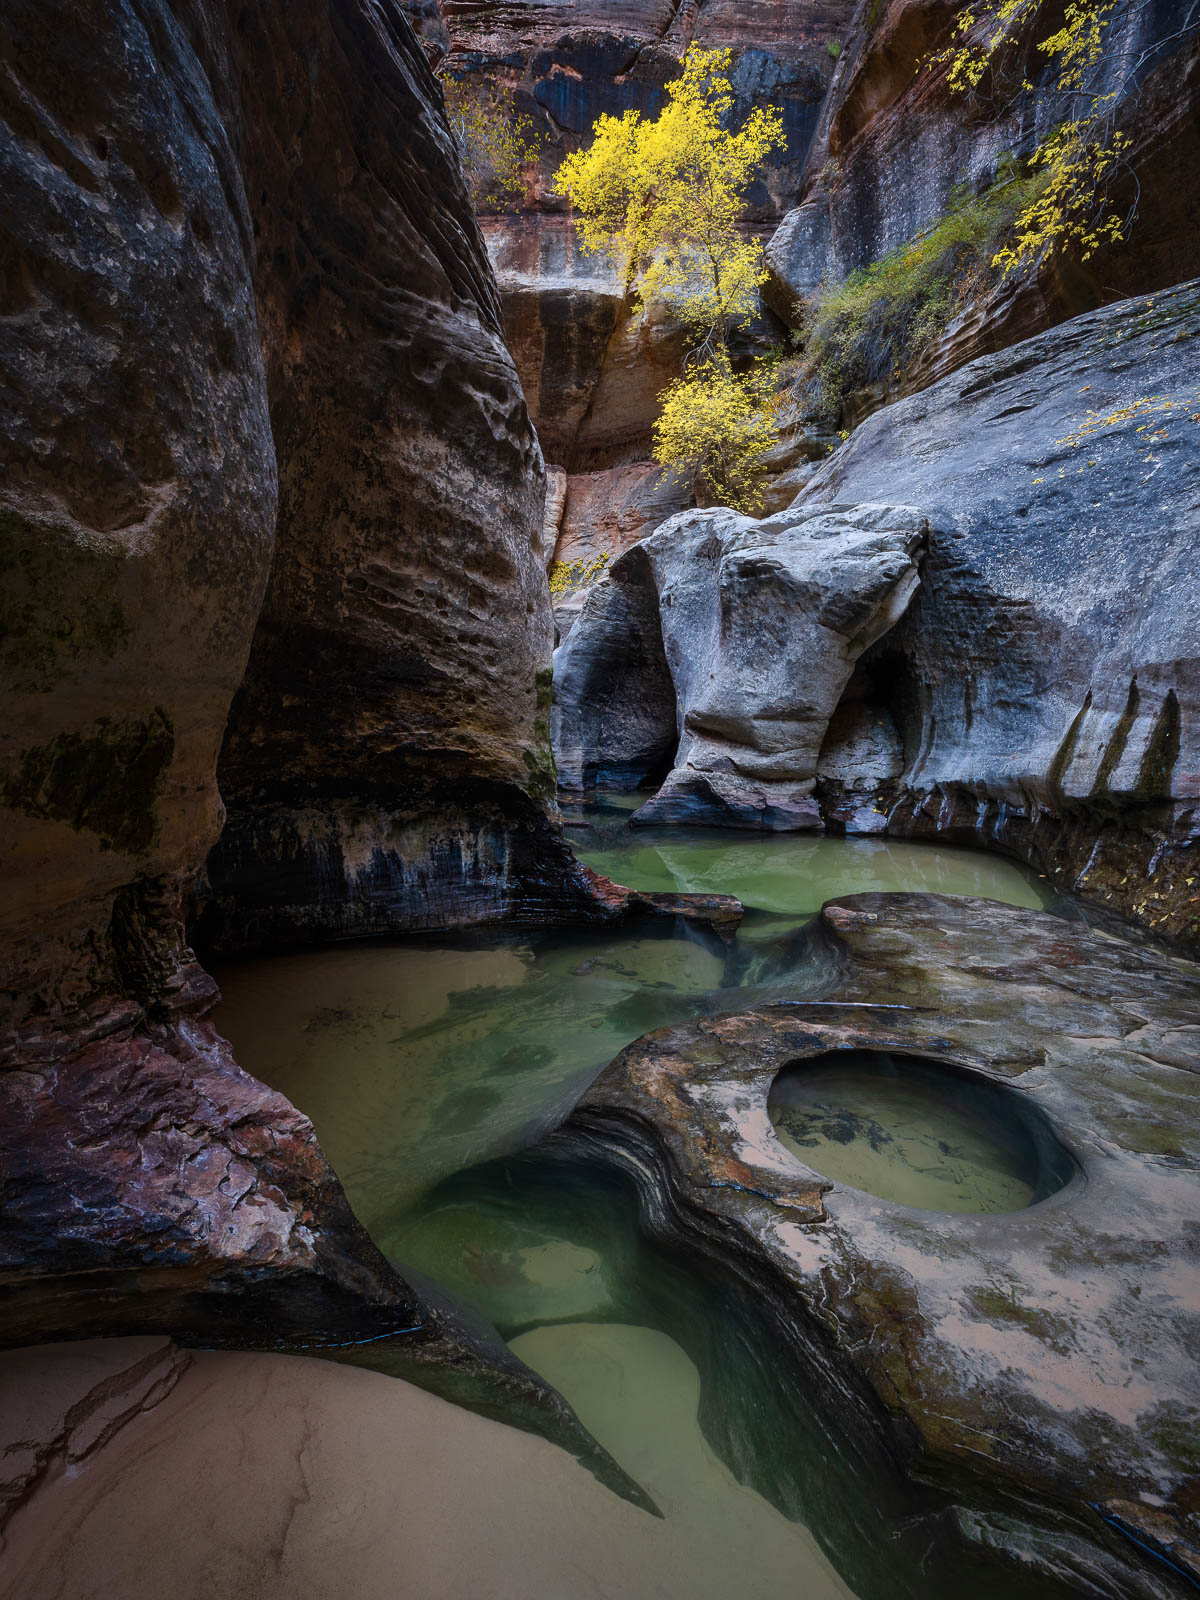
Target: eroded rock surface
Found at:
243, 286
387, 761
1038, 1366
1046, 681
894, 143
326, 1482
759, 624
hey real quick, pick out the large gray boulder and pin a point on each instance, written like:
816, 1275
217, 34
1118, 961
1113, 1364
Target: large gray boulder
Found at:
1046, 682
613, 719
759, 625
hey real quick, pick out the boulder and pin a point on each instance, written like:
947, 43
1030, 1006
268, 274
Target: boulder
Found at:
759, 625
1028, 1373
1046, 681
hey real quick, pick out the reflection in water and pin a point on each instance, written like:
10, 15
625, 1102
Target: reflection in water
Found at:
915, 1132
419, 1060
791, 875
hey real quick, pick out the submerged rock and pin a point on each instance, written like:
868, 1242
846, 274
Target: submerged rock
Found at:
1036, 1366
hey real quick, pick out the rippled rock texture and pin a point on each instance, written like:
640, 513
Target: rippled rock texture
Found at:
387, 761
1035, 1368
894, 143
249, 344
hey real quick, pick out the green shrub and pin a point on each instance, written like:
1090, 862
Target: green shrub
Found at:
885, 316
835, 48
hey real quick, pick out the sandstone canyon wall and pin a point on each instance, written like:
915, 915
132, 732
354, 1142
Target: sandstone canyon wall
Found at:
876, 150
895, 144
387, 763
1046, 681
249, 347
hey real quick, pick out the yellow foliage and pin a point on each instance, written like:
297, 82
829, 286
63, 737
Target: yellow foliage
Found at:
1078, 158
567, 576
668, 194
718, 426
495, 142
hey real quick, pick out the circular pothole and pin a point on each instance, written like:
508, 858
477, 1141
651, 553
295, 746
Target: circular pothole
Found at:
914, 1130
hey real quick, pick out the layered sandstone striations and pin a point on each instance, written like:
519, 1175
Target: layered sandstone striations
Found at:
241, 278
895, 144
1030, 1373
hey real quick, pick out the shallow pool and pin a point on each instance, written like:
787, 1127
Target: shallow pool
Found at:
427, 1065
917, 1132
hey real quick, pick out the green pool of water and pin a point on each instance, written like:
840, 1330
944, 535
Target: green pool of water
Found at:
636, 1389
915, 1132
422, 1063
789, 875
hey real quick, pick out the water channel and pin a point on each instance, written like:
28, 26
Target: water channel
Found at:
430, 1067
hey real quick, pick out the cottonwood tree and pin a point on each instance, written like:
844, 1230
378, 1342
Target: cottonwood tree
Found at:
496, 143
1084, 153
666, 197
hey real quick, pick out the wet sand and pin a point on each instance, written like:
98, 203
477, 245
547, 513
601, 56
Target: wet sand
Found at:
262, 1477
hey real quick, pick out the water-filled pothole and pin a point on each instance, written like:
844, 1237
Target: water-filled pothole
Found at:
913, 1130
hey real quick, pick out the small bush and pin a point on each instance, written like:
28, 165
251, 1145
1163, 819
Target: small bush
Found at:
566, 577
883, 317
496, 142
835, 48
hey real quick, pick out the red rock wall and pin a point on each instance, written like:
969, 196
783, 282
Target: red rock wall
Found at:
592, 375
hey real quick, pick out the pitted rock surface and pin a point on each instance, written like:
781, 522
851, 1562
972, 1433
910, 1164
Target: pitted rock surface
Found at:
1038, 1365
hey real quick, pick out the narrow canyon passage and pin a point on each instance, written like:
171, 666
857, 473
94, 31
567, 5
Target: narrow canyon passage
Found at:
599, 800
423, 1066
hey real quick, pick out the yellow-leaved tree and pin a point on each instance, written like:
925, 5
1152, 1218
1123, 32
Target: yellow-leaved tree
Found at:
720, 424
666, 196
1084, 150
496, 143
